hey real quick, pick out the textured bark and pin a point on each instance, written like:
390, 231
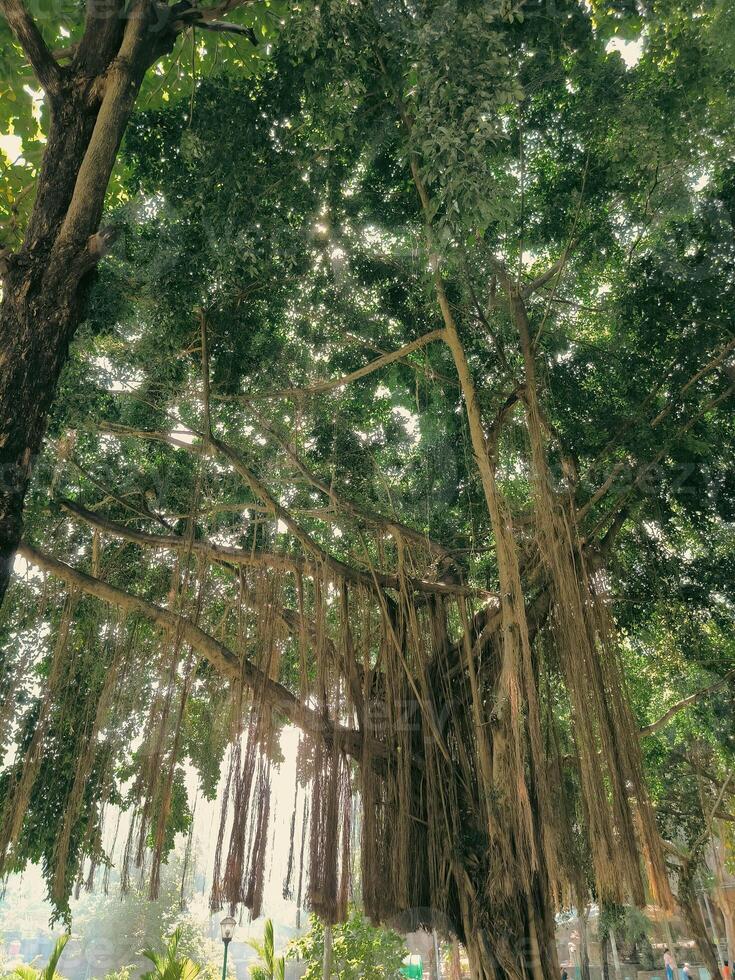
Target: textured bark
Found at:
529, 953
90, 104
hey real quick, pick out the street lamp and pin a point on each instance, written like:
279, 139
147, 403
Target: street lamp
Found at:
227, 928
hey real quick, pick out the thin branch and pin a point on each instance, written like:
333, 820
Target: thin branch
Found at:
646, 467
348, 507
571, 245
674, 710
29, 37
550, 273
205, 373
320, 387
423, 368
223, 27
715, 362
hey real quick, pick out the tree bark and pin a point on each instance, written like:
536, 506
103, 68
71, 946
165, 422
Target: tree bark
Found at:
507, 957
605, 942
713, 927
584, 956
90, 104
455, 963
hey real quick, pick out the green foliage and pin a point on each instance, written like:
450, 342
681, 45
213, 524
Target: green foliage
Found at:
280, 201
48, 972
271, 967
124, 973
171, 964
359, 949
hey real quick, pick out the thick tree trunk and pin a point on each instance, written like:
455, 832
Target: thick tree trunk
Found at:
34, 339
526, 950
37, 319
90, 104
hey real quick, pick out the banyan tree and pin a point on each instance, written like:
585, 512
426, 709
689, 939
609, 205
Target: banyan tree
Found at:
380, 376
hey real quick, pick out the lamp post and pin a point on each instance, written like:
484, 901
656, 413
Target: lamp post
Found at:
227, 928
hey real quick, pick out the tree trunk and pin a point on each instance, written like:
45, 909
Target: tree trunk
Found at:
713, 927
616, 957
327, 962
503, 957
437, 955
670, 945
90, 105
604, 943
455, 963
724, 893
693, 917
584, 956
37, 321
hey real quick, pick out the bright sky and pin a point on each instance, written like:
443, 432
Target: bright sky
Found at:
206, 825
630, 51
11, 146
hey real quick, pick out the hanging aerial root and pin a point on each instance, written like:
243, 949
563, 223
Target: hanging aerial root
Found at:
605, 733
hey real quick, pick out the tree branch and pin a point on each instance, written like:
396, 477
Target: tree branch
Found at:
121, 83
322, 560
29, 37
554, 270
646, 467
665, 718
347, 506
219, 656
319, 387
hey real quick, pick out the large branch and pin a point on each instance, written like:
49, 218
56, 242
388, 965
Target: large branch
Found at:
141, 45
665, 718
319, 387
217, 654
555, 270
35, 48
215, 552
174, 542
103, 30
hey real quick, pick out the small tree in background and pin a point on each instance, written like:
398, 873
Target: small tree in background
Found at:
359, 949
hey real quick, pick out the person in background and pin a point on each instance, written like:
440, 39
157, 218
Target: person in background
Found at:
726, 970
564, 974
669, 964
687, 972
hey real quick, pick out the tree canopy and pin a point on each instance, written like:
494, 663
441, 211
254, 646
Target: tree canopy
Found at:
401, 411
